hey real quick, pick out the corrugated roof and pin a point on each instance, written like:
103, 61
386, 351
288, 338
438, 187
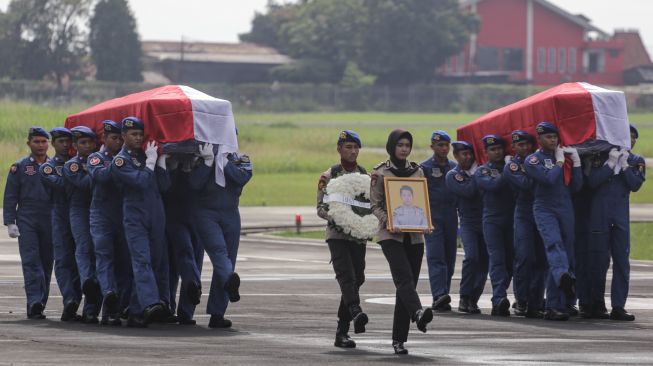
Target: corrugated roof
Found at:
247, 53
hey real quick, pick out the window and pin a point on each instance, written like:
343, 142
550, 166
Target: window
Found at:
594, 61
552, 60
562, 60
513, 59
572, 61
487, 59
541, 60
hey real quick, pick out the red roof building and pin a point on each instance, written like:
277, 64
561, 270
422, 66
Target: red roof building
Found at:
535, 41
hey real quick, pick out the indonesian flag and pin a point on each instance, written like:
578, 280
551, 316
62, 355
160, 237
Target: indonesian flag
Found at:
172, 113
585, 115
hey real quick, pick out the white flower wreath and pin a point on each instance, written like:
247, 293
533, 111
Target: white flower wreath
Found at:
348, 200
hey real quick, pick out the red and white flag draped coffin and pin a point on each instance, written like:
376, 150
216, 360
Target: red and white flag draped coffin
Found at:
172, 113
583, 113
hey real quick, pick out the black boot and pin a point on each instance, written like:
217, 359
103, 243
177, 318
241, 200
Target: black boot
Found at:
621, 314
399, 348
473, 307
134, 321
154, 312
194, 292
534, 313
463, 304
585, 311
111, 320
69, 313
231, 286
359, 318
600, 312
110, 303
36, 311
422, 317
501, 309
91, 291
552, 314
567, 284
342, 336
519, 308
218, 321
442, 304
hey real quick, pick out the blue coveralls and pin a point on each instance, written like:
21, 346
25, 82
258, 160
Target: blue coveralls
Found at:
218, 223
582, 202
111, 253
144, 225
470, 209
79, 182
554, 216
610, 226
65, 266
441, 244
498, 209
180, 204
27, 204
530, 261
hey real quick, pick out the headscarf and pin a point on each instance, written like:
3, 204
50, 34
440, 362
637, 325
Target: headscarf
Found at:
401, 170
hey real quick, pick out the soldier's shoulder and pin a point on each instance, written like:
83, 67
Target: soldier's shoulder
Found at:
533, 159
382, 166
426, 163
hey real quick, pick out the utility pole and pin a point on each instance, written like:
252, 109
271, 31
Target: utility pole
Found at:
180, 71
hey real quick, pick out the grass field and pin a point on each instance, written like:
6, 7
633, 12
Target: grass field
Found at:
289, 150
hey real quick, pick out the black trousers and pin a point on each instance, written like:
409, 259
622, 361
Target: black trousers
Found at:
348, 259
405, 260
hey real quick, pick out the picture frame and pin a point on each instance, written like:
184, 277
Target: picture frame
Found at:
407, 204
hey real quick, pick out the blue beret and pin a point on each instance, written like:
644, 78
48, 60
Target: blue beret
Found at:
546, 127
82, 131
110, 126
60, 132
492, 140
461, 145
37, 131
633, 129
132, 123
440, 135
519, 136
349, 136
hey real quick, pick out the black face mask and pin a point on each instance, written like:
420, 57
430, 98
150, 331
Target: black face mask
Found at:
401, 170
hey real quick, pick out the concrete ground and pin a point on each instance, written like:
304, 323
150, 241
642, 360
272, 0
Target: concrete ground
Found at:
287, 316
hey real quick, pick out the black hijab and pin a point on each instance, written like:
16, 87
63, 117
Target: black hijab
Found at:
401, 170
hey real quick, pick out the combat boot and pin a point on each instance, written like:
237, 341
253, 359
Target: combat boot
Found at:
218, 321
154, 312
69, 313
473, 307
91, 291
567, 284
342, 337
600, 312
519, 308
36, 311
110, 303
442, 304
463, 304
231, 286
501, 309
359, 318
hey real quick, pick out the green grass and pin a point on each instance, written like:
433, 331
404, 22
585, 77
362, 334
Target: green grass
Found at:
289, 150
303, 235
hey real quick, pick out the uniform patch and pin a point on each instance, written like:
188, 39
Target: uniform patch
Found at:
119, 162
136, 162
74, 167
485, 172
13, 169
548, 163
437, 173
494, 173
29, 170
459, 177
47, 170
94, 161
534, 160
514, 167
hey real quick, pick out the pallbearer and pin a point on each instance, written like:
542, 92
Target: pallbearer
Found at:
27, 216
347, 252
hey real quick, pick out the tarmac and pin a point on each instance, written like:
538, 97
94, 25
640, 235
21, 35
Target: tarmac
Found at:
287, 316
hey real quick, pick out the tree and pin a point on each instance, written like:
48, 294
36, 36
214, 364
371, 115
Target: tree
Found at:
266, 27
115, 45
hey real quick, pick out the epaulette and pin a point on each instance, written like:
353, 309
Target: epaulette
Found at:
377, 166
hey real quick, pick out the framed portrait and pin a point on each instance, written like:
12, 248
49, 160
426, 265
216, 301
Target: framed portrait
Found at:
407, 202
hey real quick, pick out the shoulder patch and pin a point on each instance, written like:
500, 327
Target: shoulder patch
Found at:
29, 170
13, 169
459, 177
514, 167
94, 161
377, 166
74, 167
47, 170
534, 160
119, 162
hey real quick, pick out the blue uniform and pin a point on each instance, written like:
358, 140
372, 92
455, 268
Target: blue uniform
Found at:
218, 222
610, 225
583, 247
498, 208
554, 216
65, 266
111, 253
530, 260
180, 203
441, 244
27, 204
470, 210
144, 225
79, 182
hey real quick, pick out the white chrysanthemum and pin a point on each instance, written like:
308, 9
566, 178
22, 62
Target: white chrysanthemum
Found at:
352, 186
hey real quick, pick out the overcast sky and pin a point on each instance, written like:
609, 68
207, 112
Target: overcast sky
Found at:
223, 20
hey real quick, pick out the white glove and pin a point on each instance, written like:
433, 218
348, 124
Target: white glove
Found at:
161, 161
507, 159
574, 155
12, 229
151, 154
560, 155
206, 153
613, 156
623, 160
102, 149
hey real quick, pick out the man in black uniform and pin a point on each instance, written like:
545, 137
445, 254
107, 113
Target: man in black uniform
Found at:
347, 253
